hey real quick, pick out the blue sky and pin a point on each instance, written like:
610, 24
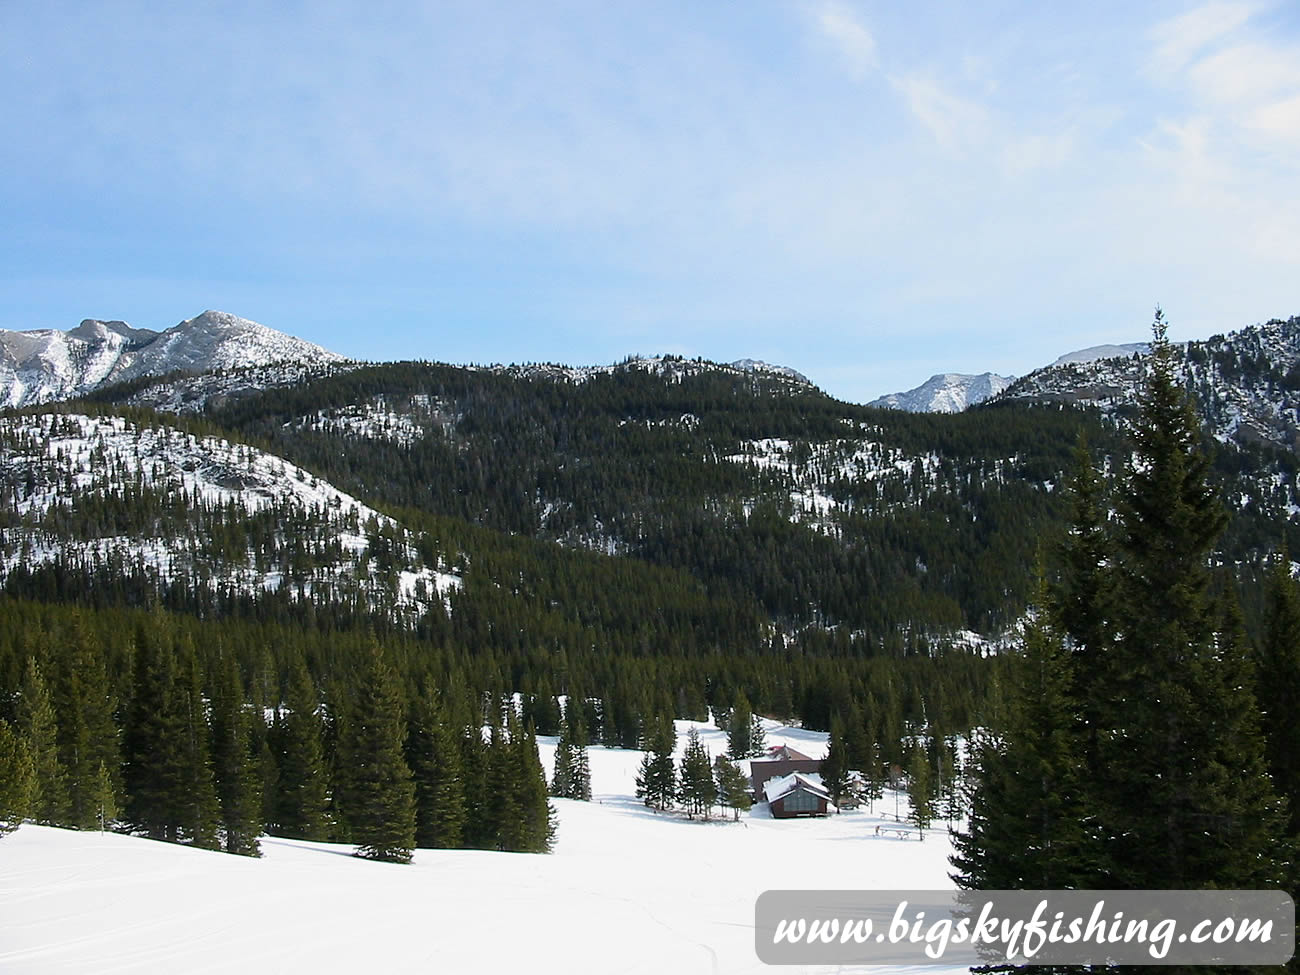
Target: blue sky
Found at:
868, 192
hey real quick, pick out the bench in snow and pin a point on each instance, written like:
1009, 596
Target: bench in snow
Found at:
901, 832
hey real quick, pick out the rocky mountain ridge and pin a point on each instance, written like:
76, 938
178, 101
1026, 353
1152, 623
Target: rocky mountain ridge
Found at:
46, 365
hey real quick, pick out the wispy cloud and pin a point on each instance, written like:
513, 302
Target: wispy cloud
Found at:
1182, 38
841, 25
957, 123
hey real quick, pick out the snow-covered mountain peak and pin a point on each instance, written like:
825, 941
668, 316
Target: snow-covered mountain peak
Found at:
948, 392
94, 330
48, 364
219, 340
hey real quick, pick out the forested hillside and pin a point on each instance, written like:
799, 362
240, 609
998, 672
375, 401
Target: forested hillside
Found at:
660, 538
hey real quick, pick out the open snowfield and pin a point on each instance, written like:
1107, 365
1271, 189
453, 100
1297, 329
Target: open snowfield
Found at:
625, 891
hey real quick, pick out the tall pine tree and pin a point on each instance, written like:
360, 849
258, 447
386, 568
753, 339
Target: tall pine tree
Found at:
1179, 775
435, 759
379, 795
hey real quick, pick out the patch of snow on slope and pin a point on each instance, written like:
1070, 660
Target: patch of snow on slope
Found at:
812, 468
372, 420
48, 460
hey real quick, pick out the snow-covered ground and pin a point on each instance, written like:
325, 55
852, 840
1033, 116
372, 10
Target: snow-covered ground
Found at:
626, 891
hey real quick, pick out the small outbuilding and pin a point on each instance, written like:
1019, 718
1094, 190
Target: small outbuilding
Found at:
797, 794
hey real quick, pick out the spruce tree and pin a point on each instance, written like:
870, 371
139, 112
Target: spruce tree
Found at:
103, 798
474, 755
238, 777
17, 779
199, 810
733, 786
656, 782
757, 737
379, 796
500, 802
835, 766
301, 808
918, 787
38, 725
88, 737
572, 776
1180, 775
740, 728
153, 752
1026, 827
537, 824
695, 786
1279, 687
435, 760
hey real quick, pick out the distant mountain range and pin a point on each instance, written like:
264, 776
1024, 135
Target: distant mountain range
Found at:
40, 366
952, 392
804, 511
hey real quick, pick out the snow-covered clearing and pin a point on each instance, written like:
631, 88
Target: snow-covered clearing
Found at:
625, 891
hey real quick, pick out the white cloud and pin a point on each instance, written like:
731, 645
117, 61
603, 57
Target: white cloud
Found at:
855, 43
1182, 38
1277, 122
1246, 72
1240, 85
956, 123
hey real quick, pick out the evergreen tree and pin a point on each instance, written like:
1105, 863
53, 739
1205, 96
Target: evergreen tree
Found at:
502, 812
435, 759
17, 779
1279, 687
238, 777
733, 786
1179, 775
918, 787
535, 832
302, 787
740, 728
757, 737
835, 768
39, 728
157, 725
199, 810
379, 797
695, 786
656, 782
572, 777
1026, 828
88, 737
950, 774
479, 831
103, 798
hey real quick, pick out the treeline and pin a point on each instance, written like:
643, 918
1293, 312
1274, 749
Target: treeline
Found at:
127, 720
205, 730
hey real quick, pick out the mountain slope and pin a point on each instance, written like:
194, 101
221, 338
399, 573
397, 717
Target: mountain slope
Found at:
1246, 383
159, 503
40, 366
